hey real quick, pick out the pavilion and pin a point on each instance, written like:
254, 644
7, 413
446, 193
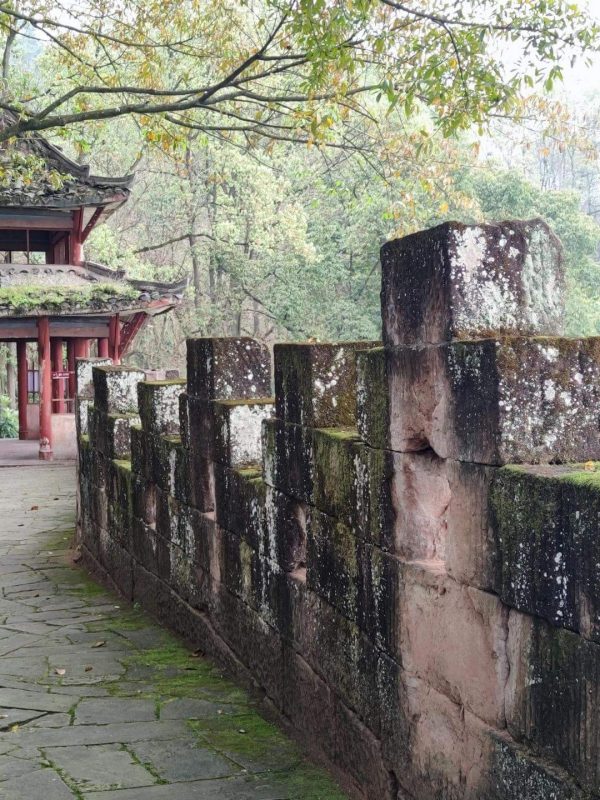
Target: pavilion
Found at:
51, 296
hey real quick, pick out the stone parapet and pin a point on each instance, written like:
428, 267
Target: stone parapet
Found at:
385, 549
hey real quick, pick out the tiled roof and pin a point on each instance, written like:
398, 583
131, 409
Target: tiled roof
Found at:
77, 187
31, 290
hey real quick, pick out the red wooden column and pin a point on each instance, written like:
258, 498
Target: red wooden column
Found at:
58, 384
71, 365
44, 358
103, 348
114, 339
22, 388
76, 238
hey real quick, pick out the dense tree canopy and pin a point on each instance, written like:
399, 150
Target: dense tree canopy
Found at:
278, 143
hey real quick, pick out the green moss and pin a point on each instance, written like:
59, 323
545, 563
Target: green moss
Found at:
345, 434
166, 382
122, 464
254, 401
31, 298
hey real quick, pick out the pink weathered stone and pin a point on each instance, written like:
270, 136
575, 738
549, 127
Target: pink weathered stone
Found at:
470, 551
498, 401
454, 637
420, 498
450, 748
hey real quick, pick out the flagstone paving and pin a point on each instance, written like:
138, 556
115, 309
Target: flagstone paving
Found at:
98, 702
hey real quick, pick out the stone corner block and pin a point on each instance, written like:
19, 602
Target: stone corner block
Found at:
460, 281
115, 389
228, 368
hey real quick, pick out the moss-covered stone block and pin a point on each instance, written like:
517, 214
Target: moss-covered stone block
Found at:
159, 406
498, 401
170, 465
315, 384
337, 648
334, 471
240, 503
372, 397
288, 458
379, 585
286, 525
115, 389
201, 462
238, 430
463, 281
119, 489
174, 521
553, 696
332, 563
545, 520
372, 512
228, 369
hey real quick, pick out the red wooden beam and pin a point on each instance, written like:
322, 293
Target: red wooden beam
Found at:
130, 330
93, 220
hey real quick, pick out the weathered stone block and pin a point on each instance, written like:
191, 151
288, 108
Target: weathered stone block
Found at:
315, 384
338, 650
201, 464
379, 587
498, 401
372, 397
159, 406
308, 702
184, 419
449, 746
546, 527
207, 543
115, 389
420, 495
174, 521
553, 694
286, 524
471, 553
84, 379
228, 369
238, 431
288, 458
144, 495
454, 637
334, 472
331, 563
120, 501
372, 511
240, 503
462, 281
117, 562
515, 773
81, 416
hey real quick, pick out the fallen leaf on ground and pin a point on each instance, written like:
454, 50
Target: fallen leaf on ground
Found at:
60, 671
88, 668
35, 508
101, 643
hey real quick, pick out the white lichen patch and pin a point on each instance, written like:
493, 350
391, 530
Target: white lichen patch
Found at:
496, 286
244, 430
121, 386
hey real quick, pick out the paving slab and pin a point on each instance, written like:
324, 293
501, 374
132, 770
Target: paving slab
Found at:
96, 700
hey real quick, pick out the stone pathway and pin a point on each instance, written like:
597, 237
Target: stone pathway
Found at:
99, 703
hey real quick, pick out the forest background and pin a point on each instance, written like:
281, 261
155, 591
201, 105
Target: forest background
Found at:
275, 217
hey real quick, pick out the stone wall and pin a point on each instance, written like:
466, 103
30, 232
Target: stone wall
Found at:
397, 550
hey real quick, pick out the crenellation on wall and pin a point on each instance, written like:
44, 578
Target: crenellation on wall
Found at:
375, 548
